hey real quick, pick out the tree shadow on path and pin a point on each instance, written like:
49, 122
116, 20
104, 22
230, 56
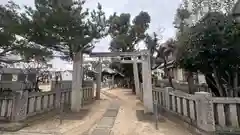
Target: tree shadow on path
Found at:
147, 117
69, 115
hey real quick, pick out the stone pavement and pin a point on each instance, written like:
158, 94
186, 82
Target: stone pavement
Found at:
105, 124
103, 127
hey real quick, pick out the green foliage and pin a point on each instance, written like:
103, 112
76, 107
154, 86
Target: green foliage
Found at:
65, 27
12, 37
212, 47
212, 41
199, 8
180, 18
125, 35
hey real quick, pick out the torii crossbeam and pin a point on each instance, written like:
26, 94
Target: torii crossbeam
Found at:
116, 54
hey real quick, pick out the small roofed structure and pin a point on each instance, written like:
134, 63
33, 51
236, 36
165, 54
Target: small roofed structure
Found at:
110, 72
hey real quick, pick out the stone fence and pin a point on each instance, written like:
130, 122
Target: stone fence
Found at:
67, 84
183, 86
20, 106
200, 112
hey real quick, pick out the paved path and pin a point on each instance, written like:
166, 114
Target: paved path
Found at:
118, 113
132, 121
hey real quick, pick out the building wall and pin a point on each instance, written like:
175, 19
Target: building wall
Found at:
179, 75
201, 79
66, 75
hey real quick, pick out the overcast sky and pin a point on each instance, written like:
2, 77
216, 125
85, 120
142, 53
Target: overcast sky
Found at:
162, 13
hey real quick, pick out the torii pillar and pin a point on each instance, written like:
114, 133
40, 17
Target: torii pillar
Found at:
147, 83
98, 79
136, 76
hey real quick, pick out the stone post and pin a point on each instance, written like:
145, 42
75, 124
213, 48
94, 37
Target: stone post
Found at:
20, 102
58, 98
99, 79
204, 110
92, 91
136, 76
167, 97
147, 83
113, 78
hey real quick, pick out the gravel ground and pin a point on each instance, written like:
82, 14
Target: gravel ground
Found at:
73, 123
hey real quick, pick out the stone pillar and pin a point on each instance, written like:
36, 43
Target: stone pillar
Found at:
147, 83
136, 76
99, 79
58, 98
113, 77
204, 110
20, 102
167, 97
77, 79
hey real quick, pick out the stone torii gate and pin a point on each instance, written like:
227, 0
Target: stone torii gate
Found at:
146, 73
134, 61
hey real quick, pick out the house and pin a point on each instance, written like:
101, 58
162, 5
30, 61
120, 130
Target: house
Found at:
178, 75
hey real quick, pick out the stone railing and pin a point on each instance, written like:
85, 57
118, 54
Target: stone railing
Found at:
226, 114
39, 102
176, 102
183, 86
61, 85
66, 84
88, 94
23, 105
6, 108
201, 112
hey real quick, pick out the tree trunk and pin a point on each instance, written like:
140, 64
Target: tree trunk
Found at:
167, 71
37, 85
77, 77
218, 84
212, 84
235, 85
190, 81
170, 78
